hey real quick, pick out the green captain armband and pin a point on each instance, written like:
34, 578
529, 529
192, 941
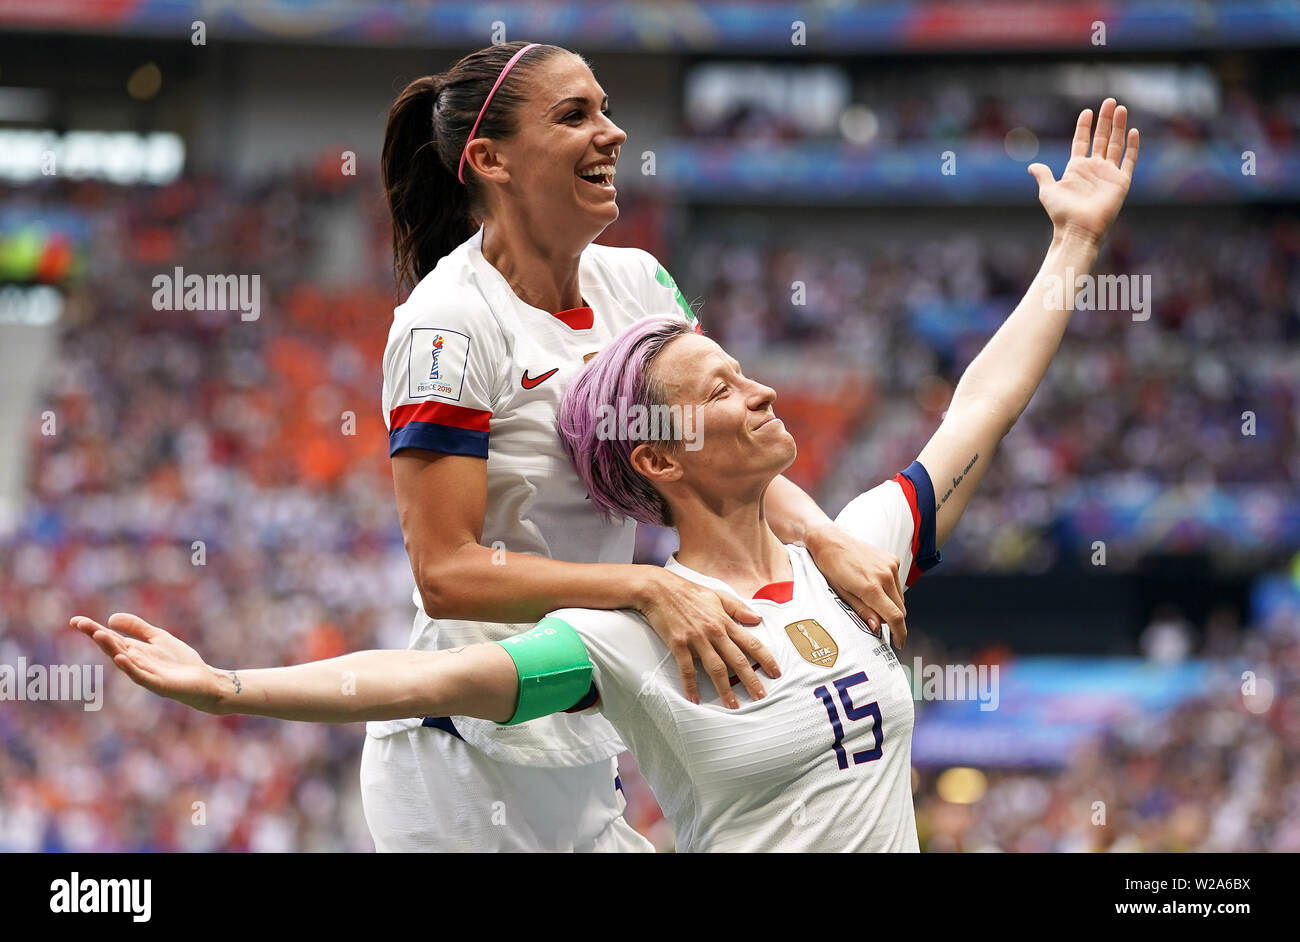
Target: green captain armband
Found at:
553, 666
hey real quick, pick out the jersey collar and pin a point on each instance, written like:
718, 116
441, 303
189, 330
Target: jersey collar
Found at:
577, 318
777, 592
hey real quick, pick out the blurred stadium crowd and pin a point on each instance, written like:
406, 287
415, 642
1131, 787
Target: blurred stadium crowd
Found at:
1219, 773
1179, 105
176, 427
230, 480
1156, 403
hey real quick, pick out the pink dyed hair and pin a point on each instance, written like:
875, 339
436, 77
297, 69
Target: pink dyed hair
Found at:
621, 370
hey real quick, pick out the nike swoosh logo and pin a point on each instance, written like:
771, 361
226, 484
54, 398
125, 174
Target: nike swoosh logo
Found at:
529, 382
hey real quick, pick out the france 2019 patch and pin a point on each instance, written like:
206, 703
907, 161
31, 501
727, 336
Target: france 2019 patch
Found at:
437, 363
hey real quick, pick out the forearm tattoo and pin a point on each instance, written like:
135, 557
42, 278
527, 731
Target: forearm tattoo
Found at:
955, 481
235, 678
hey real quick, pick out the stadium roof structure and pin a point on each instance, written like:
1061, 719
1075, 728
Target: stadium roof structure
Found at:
744, 26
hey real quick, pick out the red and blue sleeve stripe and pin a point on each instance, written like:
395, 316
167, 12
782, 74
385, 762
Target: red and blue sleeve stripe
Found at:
439, 426
915, 481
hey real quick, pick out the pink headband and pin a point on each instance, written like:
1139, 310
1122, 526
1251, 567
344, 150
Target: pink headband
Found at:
500, 78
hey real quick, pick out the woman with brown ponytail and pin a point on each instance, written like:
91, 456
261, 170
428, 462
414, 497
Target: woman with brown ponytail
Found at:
499, 176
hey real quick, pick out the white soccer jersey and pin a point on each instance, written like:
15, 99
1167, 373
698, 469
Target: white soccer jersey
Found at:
470, 369
823, 762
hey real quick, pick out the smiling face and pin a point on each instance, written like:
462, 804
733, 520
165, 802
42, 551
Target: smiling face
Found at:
563, 129
743, 446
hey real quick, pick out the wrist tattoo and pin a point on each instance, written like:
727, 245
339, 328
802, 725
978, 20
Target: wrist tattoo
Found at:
957, 480
235, 677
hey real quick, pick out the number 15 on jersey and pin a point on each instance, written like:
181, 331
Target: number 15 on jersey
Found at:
853, 713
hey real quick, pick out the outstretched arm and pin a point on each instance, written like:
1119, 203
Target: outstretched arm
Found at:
478, 680
997, 386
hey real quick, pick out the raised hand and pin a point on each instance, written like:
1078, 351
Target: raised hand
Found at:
154, 659
1088, 197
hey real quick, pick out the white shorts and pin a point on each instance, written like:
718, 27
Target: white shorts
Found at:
424, 790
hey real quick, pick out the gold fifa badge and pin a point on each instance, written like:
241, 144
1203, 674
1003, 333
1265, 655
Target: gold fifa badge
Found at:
813, 642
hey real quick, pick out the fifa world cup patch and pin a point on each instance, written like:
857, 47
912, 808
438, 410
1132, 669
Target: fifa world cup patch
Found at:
813, 642
438, 359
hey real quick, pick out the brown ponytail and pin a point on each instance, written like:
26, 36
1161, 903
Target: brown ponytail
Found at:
428, 126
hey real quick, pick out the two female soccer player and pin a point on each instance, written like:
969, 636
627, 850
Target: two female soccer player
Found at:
822, 761
499, 176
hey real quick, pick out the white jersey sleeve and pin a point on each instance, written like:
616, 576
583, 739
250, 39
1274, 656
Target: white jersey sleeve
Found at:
622, 648
660, 294
445, 368
898, 516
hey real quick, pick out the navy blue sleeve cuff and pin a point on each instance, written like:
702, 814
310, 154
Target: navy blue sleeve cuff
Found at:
927, 556
442, 438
